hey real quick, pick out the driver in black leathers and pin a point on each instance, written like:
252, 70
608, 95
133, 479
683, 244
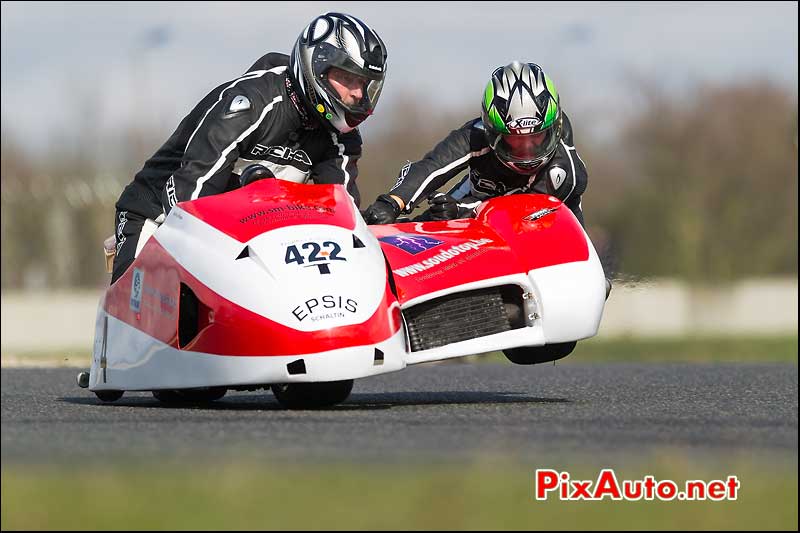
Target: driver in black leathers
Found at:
522, 143
295, 115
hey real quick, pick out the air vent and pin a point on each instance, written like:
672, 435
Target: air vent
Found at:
187, 316
464, 316
193, 316
296, 367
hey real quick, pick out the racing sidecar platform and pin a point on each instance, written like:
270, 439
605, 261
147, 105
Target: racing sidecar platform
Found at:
283, 285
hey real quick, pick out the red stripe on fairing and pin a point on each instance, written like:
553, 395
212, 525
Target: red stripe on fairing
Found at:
272, 203
158, 307
518, 245
233, 330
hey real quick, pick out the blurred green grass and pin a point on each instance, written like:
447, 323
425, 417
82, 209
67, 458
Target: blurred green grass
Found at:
769, 349
475, 496
772, 349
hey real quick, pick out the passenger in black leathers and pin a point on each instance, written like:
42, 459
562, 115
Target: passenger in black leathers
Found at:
296, 115
521, 143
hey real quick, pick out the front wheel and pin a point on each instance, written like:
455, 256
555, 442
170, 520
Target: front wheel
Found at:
531, 355
312, 395
109, 395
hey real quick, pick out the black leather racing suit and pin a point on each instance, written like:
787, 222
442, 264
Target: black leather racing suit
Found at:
256, 118
564, 176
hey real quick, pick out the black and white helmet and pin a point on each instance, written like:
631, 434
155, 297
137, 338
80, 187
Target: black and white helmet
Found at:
341, 41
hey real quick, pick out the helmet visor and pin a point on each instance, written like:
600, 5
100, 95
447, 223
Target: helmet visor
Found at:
355, 94
527, 148
358, 88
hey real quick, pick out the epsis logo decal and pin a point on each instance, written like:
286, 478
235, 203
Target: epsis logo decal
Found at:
325, 307
411, 243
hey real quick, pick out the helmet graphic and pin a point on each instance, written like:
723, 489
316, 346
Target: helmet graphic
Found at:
522, 116
337, 46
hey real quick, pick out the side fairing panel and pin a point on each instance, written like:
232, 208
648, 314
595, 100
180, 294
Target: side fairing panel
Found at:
512, 234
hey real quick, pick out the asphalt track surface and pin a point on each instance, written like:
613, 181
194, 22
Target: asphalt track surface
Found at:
436, 412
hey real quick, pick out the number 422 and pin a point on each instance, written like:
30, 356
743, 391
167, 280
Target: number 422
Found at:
317, 253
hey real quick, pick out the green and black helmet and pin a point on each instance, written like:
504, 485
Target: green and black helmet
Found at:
522, 116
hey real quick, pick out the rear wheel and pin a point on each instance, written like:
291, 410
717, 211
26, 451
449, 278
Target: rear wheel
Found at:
312, 395
109, 395
531, 355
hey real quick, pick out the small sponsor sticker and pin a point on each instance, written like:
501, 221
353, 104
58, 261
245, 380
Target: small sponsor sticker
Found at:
528, 122
239, 103
410, 243
536, 215
557, 177
136, 289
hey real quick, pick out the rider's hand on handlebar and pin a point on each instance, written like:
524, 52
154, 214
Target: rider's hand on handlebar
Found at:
384, 210
442, 206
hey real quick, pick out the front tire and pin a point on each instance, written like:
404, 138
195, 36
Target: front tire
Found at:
312, 395
109, 395
531, 355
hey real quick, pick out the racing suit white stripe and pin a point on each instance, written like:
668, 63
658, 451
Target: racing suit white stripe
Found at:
226, 151
248, 76
445, 169
345, 159
572, 164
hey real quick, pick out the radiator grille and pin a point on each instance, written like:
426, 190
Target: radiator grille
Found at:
461, 316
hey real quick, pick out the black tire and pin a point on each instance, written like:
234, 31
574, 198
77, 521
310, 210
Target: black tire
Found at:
312, 395
183, 396
109, 395
531, 355
167, 396
203, 395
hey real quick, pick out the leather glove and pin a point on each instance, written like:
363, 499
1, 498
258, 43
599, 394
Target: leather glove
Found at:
442, 206
384, 210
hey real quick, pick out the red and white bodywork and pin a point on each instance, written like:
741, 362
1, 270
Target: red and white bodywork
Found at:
280, 282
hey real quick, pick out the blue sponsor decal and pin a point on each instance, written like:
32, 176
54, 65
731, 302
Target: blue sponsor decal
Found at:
136, 289
411, 243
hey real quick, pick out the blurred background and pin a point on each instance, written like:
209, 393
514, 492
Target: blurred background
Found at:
685, 113
686, 116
